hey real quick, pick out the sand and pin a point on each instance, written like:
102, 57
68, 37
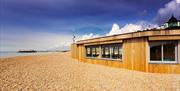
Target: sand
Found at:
59, 72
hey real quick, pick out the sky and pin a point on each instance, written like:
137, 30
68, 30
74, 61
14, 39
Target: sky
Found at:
50, 24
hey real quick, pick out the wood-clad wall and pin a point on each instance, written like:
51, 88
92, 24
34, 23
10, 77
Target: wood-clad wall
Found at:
135, 57
74, 51
134, 53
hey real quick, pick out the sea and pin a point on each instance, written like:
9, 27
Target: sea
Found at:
6, 54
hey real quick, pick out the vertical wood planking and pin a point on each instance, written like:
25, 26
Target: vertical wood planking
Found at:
135, 57
135, 54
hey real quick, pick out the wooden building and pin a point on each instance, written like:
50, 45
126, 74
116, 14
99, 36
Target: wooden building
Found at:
155, 50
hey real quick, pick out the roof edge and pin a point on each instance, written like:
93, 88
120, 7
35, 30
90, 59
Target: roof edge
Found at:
134, 34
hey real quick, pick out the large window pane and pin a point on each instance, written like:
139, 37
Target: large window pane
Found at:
163, 51
88, 52
95, 51
105, 52
92, 51
155, 53
116, 52
169, 51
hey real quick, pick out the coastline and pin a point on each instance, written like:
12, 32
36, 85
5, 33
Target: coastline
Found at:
16, 54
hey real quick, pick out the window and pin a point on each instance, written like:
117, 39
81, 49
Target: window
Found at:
105, 51
163, 51
88, 52
172, 24
155, 52
112, 51
116, 52
108, 51
92, 51
95, 51
169, 51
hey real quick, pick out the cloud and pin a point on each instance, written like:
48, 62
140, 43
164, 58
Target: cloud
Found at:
13, 41
139, 26
88, 36
115, 29
178, 1
146, 25
61, 46
173, 7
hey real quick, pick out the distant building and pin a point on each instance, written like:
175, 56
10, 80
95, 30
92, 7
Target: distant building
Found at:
172, 23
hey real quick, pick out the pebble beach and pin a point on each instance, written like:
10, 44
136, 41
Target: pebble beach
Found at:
59, 72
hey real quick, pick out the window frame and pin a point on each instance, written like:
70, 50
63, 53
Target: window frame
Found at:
87, 52
110, 48
162, 53
91, 51
119, 46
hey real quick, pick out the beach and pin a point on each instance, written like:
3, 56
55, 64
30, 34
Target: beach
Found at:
59, 72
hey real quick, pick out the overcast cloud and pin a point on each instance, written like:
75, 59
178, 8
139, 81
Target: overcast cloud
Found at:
169, 9
50, 24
